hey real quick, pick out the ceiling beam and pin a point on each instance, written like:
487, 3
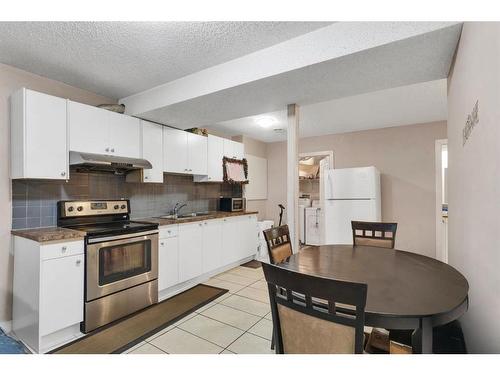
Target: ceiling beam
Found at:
322, 45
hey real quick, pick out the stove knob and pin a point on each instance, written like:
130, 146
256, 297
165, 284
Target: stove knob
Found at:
116, 207
71, 208
80, 208
123, 207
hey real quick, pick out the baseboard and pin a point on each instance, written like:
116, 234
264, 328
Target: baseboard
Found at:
6, 326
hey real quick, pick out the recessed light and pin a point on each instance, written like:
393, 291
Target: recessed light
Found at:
266, 121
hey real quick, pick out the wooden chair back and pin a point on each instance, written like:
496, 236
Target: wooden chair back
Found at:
377, 234
278, 242
304, 326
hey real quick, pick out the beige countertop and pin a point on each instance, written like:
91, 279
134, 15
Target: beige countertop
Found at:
49, 234
59, 234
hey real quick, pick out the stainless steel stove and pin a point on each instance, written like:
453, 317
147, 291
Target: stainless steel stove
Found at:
121, 259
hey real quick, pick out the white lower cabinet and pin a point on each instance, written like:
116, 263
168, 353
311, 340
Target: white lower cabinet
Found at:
48, 294
212, 245
231, 239
190, 250
168, 262
61, 293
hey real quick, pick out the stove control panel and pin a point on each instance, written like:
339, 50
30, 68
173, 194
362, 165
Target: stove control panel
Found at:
93, 208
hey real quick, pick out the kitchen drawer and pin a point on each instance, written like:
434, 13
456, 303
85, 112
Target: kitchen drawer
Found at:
169, 231
62, 249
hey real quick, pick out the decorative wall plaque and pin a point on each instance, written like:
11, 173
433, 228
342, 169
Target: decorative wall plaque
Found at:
472, 121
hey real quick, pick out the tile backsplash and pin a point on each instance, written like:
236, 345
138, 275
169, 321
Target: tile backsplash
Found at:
34, 202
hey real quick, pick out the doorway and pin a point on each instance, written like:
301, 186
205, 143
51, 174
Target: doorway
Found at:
312, 167
442, 200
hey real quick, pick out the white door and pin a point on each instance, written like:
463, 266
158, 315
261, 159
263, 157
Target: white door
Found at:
228, 148
352, 183
339, 214
61, 293
88, 129
152, 150
168, 262
250, 228
124, 135
175, 151
46, 143
215, 155
190, 250
197, 154
238, 150
231, 240
212, 245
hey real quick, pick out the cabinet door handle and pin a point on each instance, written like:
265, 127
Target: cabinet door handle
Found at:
162, 243
78, 261
107, 149
146, 177
112, 150
63, 174
64, 248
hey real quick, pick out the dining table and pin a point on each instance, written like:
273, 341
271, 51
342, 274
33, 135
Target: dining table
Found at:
406, 291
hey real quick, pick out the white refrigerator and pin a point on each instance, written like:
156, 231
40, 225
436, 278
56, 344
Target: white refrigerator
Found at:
350, 194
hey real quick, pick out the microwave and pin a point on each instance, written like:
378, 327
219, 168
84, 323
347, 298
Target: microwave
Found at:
232, 204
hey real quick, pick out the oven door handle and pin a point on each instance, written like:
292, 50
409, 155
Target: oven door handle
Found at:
123, 236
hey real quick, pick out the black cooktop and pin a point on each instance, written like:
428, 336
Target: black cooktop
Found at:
114, 228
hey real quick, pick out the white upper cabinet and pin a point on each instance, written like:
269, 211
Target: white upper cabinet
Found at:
234, 150
99, 131
197, 154
152, 151
88, 131
184, 152
124, 135
214, 160
175, 151
38, 136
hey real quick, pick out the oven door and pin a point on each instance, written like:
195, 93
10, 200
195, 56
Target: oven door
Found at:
120, 262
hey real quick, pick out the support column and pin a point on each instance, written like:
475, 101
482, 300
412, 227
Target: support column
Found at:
292, 194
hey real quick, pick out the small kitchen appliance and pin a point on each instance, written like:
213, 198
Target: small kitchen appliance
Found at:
231, 204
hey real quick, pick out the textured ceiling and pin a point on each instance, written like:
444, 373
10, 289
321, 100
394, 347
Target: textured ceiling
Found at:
413, 104
421, 58
118, 59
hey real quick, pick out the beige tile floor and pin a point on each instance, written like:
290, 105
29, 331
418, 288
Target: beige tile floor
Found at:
237, 322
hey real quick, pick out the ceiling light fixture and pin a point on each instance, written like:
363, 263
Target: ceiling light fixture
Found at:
266, 121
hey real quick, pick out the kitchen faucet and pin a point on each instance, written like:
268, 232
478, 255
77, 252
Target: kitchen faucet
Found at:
177, 208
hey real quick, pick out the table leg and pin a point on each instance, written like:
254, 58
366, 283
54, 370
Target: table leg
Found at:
421, 339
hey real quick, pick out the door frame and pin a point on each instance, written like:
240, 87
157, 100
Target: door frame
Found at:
441, 251
331, 162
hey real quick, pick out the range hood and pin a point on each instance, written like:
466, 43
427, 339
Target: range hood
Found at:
106, 163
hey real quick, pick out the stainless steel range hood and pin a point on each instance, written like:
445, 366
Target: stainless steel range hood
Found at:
106, 163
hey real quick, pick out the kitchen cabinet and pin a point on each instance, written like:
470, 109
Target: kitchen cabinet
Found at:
231, 240
61, 293
212, 245
48, 292
197, 154
38, 136
250, 236
168, 262
215, 153
190, 250
99, 131
152, 151
234, 150
184, 152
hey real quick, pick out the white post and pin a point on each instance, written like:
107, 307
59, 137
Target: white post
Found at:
292, 196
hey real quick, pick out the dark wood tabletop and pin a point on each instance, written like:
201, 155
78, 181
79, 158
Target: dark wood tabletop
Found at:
403, 288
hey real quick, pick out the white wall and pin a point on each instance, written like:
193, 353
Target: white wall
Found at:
474, 181
11, 79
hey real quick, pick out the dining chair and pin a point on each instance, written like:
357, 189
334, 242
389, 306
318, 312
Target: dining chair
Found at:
304, 327
279, 246
377, 234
